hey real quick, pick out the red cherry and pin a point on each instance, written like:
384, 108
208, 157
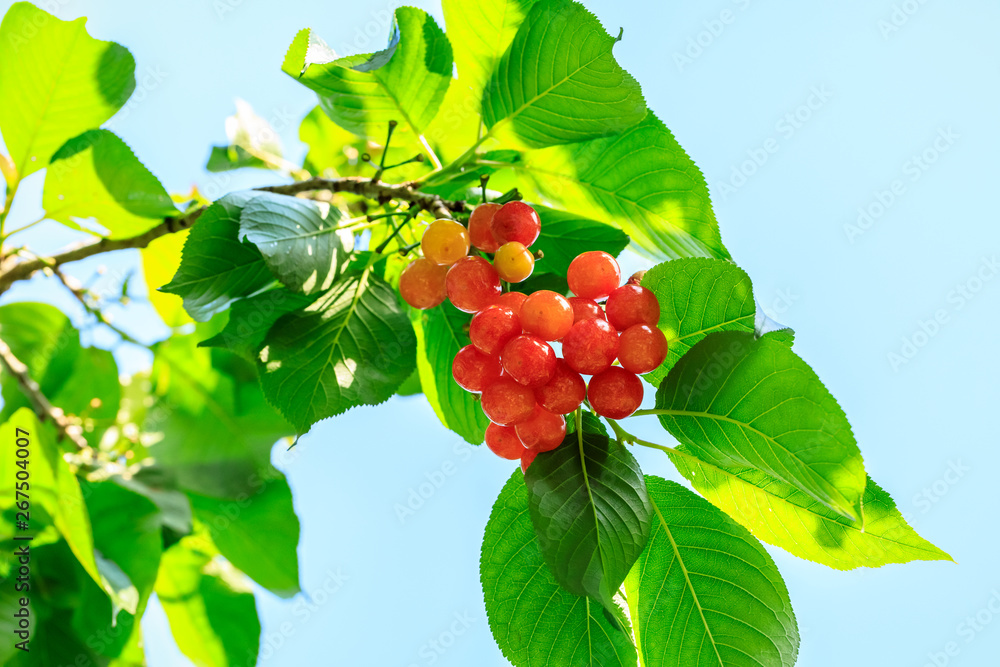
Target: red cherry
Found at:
422, 283
479, 227
516, 221
593, 275
590, 346
526, 459
547, 315
473, 370
615, 393
543, 431
636, 278
529, 360
632, 304
473, 284
507, 402
585, 309
492, 327
564, 392
503, 441
642, 348
512, 300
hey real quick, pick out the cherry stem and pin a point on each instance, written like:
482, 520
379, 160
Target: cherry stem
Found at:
410, 215
483, 180
511, 195
626, 438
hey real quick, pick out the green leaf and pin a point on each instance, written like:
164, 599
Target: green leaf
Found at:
96, 177
228, 158
480, 33
705, 592
697, 297
209, 605
405, 82
640, 180
213, 430
784, 516
82, 381
441, 332
250, 136
558, 83
56, 492
252, 317
128, 544
533, 619
237, 526
739, 402
566, 235
353, 346
216, 267
591, 513
299, 239
58, 81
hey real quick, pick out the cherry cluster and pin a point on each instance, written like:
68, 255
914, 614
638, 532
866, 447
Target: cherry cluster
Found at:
526, 388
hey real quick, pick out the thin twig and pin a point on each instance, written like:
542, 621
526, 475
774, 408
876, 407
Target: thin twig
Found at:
43, 408
13, 270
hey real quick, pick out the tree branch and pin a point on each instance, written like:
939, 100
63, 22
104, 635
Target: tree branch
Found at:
43, 408
12, 269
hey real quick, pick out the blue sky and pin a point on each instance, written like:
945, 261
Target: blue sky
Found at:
850, 148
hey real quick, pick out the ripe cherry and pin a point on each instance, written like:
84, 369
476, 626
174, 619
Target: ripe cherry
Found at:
422, 283
507, 402
480, 233
585, 309
472, 284
636, 278
642, 348
546, 314
593, 275
473, 370
445, 242
492, 327
543, 431
526, 459
529, 360
590, 346
632, 304
512, 300
514, 262
615, 393
516, 221
503, 441
564, 392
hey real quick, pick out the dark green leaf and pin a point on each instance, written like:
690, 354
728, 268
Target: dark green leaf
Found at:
705, 592
591, 513
252, 317
57, 82
96, 176
558, 83
535, 621
128, 545
216, 266
299, 239
566, 235
81, 381
441, 332
353, 346
739, 402
640, 180
237, 528
697, 297
214, 428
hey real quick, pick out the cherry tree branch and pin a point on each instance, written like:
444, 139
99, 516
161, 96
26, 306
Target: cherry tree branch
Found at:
13, 268
43, 408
